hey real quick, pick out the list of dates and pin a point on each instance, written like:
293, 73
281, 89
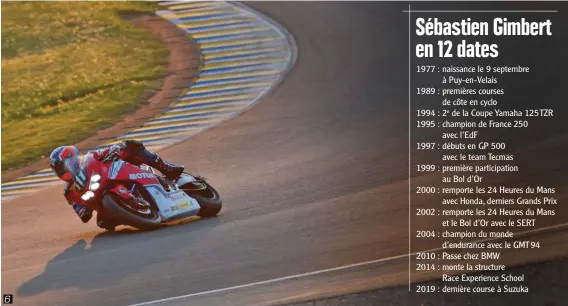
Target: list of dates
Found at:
467, 202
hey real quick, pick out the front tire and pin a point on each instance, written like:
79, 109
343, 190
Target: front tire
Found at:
208, 198
118, 208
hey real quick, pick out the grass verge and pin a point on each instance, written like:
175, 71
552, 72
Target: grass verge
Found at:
69, 69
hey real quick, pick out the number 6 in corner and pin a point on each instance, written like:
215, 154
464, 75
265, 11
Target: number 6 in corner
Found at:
8, 298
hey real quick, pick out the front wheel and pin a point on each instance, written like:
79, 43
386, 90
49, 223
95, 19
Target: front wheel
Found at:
129, 212
208, 198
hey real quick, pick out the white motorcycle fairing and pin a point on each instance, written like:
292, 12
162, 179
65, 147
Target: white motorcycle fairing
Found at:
173, 205
185, 179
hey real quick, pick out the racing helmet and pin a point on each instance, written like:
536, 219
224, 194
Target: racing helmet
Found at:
63, 161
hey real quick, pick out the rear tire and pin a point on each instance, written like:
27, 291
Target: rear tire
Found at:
209, 200
112, 203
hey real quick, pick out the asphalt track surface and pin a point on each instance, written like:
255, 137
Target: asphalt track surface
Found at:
313, 177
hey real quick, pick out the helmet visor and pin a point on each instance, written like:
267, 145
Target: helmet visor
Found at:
59, 169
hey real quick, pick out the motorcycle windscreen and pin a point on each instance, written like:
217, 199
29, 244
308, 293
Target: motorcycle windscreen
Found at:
79, 174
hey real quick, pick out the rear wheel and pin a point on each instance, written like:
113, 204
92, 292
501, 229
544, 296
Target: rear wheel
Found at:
139, 215
208, 198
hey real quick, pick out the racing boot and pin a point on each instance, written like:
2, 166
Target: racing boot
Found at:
135, 153
171, 171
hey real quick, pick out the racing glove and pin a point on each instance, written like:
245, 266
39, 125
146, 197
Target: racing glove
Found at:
109, 154
84, 213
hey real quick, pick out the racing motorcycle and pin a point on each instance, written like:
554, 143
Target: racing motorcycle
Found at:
138, 197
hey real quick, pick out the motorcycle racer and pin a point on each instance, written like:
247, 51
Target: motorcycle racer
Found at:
130, 151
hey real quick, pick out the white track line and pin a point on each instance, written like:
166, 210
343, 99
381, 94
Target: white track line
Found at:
274, 280
355, 265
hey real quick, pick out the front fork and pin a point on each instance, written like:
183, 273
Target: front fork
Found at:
129, 195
